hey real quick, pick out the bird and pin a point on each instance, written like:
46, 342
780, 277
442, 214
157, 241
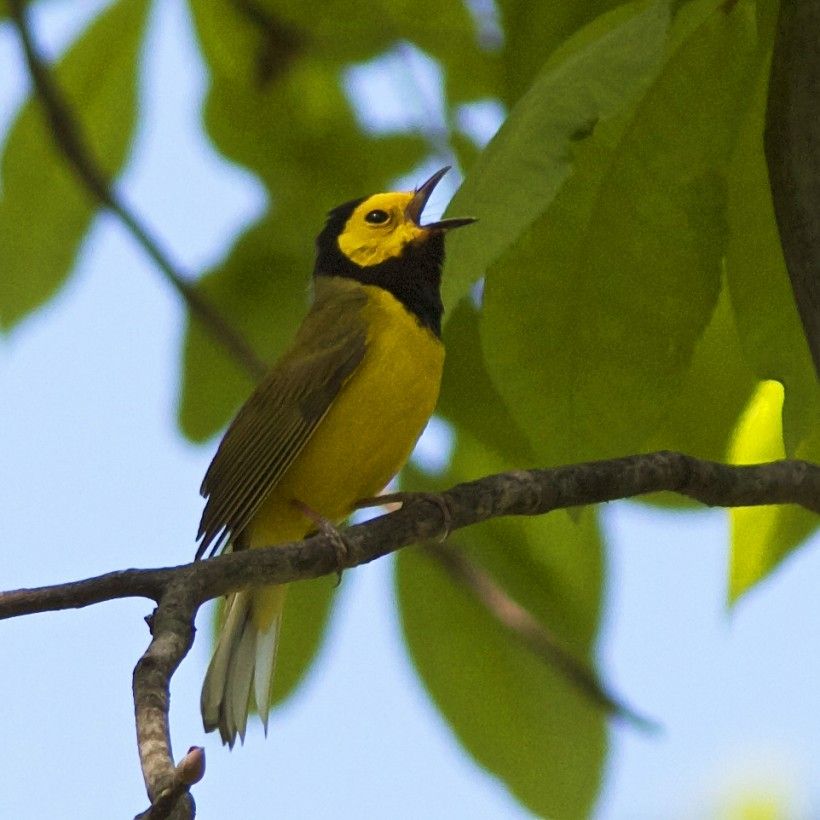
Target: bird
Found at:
334, 419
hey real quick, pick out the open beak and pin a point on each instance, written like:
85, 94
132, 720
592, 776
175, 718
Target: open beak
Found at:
419, 200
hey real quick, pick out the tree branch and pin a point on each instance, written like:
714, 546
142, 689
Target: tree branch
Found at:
422, 517
172, 628
518, 492
792, 144
71, 143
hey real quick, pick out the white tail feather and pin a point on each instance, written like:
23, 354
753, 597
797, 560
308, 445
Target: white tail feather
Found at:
244, 658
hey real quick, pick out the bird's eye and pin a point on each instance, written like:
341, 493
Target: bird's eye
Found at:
376, 217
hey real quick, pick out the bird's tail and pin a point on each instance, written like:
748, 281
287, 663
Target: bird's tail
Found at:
244, 660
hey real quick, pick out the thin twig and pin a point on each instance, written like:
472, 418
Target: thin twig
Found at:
70, 141
534, 635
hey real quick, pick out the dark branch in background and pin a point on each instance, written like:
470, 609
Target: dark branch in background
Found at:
523, 626
70, 142
792, 142
280, 42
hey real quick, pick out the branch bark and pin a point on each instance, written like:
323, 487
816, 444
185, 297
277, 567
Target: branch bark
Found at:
792, 143
422, 517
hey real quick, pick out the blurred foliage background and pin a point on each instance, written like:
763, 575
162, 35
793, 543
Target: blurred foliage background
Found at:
624, 291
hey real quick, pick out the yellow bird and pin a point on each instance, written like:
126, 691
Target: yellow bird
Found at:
333, 421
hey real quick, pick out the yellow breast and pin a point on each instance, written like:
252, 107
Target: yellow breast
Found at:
370, 429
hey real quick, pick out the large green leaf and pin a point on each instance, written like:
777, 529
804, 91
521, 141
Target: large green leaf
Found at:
515, 715
763, 536
612, 288
468, 396
591, 79
532, 31
262, 290
766, 315
702, 414
44, 211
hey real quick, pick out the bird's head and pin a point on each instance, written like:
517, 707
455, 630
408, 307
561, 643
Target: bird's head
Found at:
380, 240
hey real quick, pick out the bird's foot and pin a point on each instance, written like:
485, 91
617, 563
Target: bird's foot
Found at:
327, 528
399, 499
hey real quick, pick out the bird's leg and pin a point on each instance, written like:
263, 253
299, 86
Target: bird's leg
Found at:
327, 528
401, 498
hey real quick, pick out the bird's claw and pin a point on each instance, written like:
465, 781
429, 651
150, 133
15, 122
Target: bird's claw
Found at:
329, 530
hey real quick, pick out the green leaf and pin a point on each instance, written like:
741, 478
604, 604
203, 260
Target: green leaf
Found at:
532, 31
262, 291
595, 75
44, 211
704, 410
767, 320
449, 34
293, 127
702, 414
468, 397
612, 288
763, 536
514, 714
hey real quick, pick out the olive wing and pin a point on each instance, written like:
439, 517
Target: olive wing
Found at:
276, 422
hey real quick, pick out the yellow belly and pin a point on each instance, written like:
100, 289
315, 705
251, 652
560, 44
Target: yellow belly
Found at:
369, 431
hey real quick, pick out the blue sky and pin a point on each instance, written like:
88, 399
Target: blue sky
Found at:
94, 477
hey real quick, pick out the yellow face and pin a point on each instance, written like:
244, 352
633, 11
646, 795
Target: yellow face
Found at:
379, 229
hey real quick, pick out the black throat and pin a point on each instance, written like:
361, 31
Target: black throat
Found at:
414, 278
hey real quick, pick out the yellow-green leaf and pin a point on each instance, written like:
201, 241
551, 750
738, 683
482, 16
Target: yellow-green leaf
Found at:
44, 211
763, 536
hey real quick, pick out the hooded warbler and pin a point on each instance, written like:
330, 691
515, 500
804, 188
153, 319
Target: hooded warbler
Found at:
332, 422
